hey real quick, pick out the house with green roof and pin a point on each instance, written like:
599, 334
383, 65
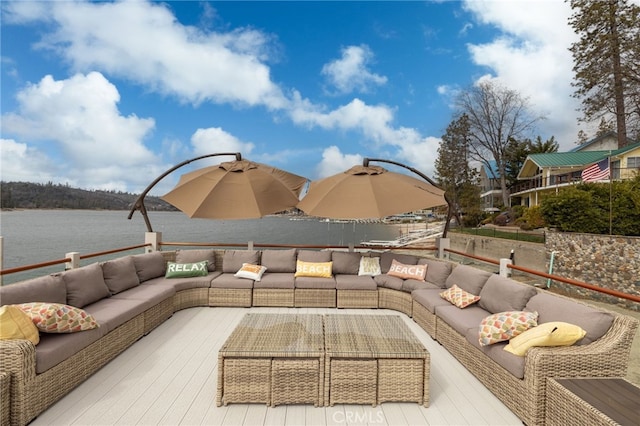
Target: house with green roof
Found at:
547, 173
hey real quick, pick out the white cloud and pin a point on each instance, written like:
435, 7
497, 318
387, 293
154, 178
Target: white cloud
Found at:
150, 47
215, 140
532, 57
334, 161
102, 149
350, 73
21, 163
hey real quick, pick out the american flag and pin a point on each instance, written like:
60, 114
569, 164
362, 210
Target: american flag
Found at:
597, 171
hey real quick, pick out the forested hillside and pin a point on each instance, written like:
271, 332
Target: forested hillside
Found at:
25, 195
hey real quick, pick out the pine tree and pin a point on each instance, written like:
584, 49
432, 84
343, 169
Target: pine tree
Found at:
607, 62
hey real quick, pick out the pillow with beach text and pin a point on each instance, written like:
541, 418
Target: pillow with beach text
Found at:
314, 269
414, 272
187, 270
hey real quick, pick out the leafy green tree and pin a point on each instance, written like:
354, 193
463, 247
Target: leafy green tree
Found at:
453, 172
595, 208
607, 61
517, 151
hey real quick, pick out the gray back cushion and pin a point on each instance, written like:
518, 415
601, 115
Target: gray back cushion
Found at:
120, 274
468, 278
437, 271
502, 294
85, 285
279, 260
149, 265
314, 256
345, 262
50, 289
195, 256
387, 257
551, 307
233, 259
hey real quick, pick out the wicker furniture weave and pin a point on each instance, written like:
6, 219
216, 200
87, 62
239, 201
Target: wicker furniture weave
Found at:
314, 298
611, 401
357, 298
273, 359
5, 417
372, 359
396, 300
273, 297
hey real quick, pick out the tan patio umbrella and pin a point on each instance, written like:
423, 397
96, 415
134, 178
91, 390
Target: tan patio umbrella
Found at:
367, 192
239, 189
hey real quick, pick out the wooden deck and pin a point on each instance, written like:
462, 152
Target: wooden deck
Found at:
169, 378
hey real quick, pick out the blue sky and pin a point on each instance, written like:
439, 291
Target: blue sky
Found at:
106, 95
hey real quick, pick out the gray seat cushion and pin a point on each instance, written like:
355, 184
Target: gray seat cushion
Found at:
279, 260
315, 282
232, 260
501, 294
229, 281
512, 363
314, 256
85, 285
387, 281
149, 265
55, 348
347, 263
461, 320
355, 282
409, 285
429, 298
276, 280
50, 289
468, 278
112, 313
437, 271
195, 256
184, 283
387, 258
551, 307
120, 274
150, 295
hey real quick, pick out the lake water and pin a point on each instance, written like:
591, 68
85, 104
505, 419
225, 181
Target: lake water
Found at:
34, 236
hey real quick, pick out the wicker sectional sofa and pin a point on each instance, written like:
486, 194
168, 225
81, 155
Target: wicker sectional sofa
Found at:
130, 296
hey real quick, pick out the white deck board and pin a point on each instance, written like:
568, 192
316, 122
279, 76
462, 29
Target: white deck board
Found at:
170, 377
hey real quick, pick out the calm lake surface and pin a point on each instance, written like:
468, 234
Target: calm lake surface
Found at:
34, 236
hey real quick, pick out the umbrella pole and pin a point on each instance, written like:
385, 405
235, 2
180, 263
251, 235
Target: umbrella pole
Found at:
139, 203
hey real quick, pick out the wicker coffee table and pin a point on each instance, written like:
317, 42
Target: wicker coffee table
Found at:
372, 359
273, 359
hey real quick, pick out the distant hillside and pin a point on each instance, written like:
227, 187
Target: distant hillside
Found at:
25, 195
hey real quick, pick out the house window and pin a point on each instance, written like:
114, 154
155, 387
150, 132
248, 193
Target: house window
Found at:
615, 169
633, 163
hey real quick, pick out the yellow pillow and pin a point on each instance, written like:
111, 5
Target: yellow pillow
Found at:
547, 334
313, 269
15, 324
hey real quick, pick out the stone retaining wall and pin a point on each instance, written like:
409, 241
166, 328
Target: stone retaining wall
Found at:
606, 261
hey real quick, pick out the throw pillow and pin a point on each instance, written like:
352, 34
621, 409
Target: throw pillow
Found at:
313, 269
555, 333
459, 297
250, 271
505, 325
15, 324
58, 318
186, 270
400, 270
369, 266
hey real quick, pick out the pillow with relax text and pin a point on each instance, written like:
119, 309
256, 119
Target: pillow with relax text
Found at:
187, 270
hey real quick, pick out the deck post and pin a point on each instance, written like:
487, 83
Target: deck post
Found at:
75, 260
153, 238
505, 271
443, 244
250, 245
